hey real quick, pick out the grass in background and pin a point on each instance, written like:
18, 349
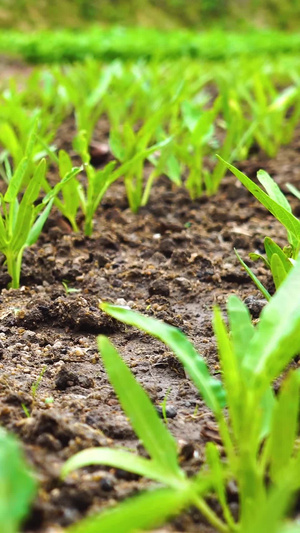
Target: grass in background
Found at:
134, 43
233, 14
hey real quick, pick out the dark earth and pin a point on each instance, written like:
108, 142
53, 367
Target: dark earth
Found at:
174, 261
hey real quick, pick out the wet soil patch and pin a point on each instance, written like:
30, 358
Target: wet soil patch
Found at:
174, 260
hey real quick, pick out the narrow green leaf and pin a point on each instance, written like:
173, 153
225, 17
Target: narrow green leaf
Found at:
284, 426
289, 221
276, 339
219, 480
4, 237
33, 188
17, 485
145, 511
267, 408
120, 459
38, 225
284, 99
293, 190
230, 368
65, 163
10, 141
278, 271
16, 181
116, 145
139, 409
273, 190
272, 248
210, 388
254, 257
25, 216
241, 327
258, 284
32, 137
101, 184
279, 498
59, 186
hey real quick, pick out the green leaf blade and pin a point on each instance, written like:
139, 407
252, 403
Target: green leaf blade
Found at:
210, 388
137, 406
117, 459
136, 514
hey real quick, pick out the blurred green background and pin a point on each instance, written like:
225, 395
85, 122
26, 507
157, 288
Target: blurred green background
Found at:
202, 14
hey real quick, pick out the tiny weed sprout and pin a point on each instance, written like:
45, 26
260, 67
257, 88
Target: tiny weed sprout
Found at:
259, 430
279, 261
17, 484
36, 384
68, 289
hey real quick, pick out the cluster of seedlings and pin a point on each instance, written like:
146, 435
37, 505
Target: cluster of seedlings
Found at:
162, 124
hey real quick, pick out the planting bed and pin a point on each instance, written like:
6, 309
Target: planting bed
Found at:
174, 260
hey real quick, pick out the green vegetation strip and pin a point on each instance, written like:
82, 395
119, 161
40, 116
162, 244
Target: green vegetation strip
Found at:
133, 43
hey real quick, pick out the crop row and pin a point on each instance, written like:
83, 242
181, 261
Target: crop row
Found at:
259, 430
158, 120
174, 126
135, 43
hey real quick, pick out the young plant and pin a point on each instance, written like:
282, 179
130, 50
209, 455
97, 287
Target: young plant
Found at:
88, 102
200, 129
128, 146
279, 261
268, 108
259, 431
88, 196
17, 484
21, 219
25, 131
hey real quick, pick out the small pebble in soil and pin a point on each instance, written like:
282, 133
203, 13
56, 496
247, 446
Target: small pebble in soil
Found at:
160, 287
183, 283
187, 450
66, 378
170, 411
255, 305
106, 484
166, 246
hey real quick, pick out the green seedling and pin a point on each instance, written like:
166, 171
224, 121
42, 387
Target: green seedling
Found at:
89, 197
26, 410
69, 290
36, 384
88, 102
17, 484
34, 388
269, 108
130, 146
259, 431
25, 131
163, 405
49, 400
21, 221
279, 261
180, 119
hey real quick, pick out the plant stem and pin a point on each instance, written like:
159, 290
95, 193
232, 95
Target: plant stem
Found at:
88, 227
209, 514
148, 187
14, 268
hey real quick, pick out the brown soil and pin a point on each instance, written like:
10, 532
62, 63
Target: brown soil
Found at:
174, 261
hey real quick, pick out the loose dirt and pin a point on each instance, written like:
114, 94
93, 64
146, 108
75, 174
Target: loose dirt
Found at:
174, 260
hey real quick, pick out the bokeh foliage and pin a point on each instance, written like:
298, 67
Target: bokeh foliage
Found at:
232, 14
